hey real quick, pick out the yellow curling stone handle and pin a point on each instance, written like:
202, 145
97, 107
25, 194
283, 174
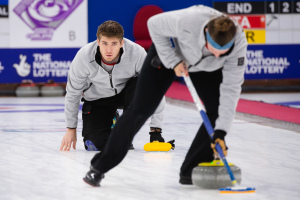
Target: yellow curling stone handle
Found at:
214, 163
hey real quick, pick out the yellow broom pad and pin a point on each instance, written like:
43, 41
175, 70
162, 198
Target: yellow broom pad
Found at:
157, 146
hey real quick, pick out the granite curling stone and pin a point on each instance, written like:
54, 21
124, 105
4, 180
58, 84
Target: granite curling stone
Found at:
27, 89
52, 89
213, 175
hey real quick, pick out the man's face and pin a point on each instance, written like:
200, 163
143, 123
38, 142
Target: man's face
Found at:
109, 47
216, 52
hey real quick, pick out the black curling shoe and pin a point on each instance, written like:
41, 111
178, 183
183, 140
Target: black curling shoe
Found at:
131, 147
93, 177
185, 180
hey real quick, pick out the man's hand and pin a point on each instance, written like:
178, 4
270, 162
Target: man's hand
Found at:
219, 137
69, 138
181, 68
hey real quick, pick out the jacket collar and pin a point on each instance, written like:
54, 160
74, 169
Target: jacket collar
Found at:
98, 56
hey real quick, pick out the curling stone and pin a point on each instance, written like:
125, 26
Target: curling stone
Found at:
27, 89
213, 175
51, 89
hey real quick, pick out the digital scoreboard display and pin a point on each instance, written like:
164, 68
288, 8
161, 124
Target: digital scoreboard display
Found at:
266, 22
258, 7
272, 29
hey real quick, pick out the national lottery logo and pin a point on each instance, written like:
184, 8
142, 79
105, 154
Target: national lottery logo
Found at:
22, 68
258, 64
44, 16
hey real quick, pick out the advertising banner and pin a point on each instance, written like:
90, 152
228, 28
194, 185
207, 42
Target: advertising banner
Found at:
47, 23
273, 62
38, 65
4, 27
3, 11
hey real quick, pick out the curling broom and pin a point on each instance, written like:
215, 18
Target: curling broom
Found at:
236, 188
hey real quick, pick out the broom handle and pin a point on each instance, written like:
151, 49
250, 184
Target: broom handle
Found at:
207, 124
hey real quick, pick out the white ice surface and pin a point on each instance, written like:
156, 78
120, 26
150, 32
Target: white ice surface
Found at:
32, 167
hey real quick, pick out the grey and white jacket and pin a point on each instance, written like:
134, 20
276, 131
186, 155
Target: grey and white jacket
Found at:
87, 79
186, 28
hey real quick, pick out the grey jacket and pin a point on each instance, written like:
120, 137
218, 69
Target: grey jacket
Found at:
186, 27
86, 78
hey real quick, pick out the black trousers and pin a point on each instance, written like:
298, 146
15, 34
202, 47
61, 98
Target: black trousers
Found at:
98, 115
153, 83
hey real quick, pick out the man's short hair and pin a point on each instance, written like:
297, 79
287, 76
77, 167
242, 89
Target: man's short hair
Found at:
222, 29
110, 29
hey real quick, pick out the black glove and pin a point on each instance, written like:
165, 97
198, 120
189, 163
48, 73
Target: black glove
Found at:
155, 135
219, 137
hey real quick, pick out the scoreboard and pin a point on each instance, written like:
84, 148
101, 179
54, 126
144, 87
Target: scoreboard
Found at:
258, 7
272, 29
266, 22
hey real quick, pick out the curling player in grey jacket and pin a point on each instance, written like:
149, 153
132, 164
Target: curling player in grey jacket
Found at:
103, 75
209, 47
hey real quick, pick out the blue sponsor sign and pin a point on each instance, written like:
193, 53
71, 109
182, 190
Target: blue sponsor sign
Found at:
273, 62
3, 2
38, 65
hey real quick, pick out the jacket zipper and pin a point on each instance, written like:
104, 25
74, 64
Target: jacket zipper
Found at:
111, 83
